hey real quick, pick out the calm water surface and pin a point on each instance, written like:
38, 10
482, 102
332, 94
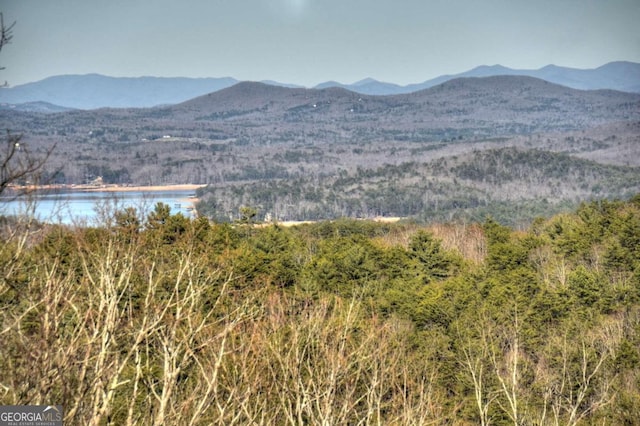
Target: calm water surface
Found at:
90, 207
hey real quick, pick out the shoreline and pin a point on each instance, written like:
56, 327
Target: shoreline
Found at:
109, 188
151, 188
191, 201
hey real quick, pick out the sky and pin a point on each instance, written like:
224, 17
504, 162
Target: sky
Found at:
307, 42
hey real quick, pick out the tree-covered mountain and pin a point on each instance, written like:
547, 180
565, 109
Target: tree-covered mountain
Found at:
465, 148
38, 106
93, 91
621, 75
464, 106
514, 185
97, 91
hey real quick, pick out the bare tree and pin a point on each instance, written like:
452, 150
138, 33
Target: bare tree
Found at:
5, 35
17, 163
474, 363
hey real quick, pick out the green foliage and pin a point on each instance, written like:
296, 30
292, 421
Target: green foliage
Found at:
269, 257
343, 265
247, 215
373, 319
504, 253
167, 228
428, 260
585, 286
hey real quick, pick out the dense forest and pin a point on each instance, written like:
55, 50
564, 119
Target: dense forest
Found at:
167, 320
513, 185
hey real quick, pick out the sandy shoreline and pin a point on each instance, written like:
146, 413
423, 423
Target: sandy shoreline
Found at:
108, 188
117, 188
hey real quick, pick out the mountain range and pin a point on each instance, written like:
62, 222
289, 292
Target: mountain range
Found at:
503, 143
94, 91
622, 76
480, 105
251, 116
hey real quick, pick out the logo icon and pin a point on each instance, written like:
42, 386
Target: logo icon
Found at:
31, 415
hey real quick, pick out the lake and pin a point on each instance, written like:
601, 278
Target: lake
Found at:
89, 207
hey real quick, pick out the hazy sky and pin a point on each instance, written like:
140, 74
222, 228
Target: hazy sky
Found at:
310, 41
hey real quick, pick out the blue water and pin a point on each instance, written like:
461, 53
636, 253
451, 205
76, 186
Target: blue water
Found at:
92, 207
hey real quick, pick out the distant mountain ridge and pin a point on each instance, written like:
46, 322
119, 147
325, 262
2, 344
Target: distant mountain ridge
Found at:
37, 106
94, 91
477, 104
621, 76
323, 153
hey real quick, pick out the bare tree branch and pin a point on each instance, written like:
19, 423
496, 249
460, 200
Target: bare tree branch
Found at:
6, 34
17, 164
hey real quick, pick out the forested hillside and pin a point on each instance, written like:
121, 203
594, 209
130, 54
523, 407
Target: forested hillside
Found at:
512, 146
168, 321
514, 185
